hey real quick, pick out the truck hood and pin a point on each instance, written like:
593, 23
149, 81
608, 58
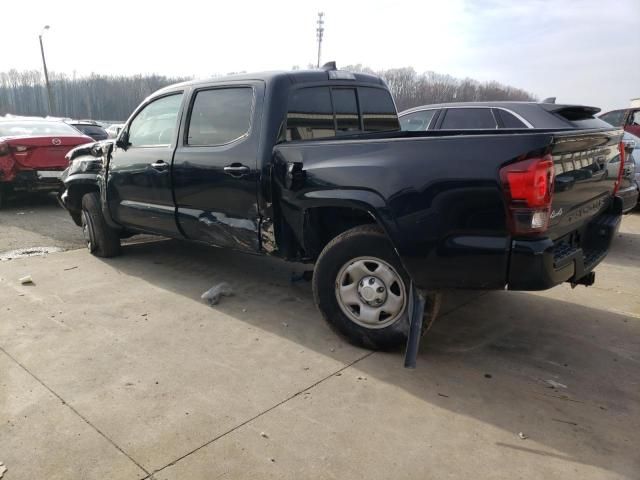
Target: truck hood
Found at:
94, 149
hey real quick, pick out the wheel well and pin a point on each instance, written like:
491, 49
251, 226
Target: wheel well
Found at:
323, 224
74, 199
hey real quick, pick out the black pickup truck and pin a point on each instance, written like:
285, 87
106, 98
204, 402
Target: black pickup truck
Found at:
311, 166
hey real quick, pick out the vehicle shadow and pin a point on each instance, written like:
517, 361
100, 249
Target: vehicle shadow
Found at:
563, 374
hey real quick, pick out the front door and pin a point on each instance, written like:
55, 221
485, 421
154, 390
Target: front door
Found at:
139, 181
215, 167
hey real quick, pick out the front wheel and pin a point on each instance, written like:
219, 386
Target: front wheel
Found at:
362, 289
102, 240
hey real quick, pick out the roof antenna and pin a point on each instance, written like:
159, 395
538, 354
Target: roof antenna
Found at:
329, 66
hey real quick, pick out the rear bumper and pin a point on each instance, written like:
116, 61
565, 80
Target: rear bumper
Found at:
543, 263
34, 180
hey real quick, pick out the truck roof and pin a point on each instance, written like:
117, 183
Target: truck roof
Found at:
294, 76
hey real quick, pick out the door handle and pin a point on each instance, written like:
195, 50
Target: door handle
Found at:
236, 170
160, 165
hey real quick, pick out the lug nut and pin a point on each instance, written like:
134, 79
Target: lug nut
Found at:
371, 281
380, 289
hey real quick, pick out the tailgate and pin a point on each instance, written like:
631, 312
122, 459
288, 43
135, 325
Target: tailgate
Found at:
586, 170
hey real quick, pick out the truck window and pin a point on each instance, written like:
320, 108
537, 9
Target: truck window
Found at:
346, 107
468, 119
378, 110
310, 114
417, 121
156, 123
220, 116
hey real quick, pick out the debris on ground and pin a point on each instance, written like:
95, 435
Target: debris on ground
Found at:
3, 469
264, 435
214, 293
26, 280
272, 460
488, 375
70, 268
522, 436
28, 252
554, 384
285, 324
443, 395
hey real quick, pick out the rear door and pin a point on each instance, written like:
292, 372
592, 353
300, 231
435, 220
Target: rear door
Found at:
139, 178
215, 167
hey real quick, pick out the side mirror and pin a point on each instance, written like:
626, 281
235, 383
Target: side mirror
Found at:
123, 140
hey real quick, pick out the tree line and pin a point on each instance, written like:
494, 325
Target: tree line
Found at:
109, 97
411, 88
103, 97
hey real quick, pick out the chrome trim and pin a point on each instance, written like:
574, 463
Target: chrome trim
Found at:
518, 116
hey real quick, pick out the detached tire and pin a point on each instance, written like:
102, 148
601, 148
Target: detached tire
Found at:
362, 289
102, 240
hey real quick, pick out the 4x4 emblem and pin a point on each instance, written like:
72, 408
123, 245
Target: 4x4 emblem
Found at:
556, 213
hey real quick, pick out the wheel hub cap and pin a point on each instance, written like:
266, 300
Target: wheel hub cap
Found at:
373, 291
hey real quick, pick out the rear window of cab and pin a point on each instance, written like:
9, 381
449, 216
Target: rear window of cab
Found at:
322, 112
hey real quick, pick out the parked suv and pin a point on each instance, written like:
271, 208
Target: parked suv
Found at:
520, 116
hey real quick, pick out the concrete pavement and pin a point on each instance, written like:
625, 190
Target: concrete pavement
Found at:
116, 369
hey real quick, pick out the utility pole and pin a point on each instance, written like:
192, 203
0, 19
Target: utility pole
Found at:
46, 73
320, 33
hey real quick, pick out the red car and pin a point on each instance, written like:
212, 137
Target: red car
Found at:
629, 119
32, 154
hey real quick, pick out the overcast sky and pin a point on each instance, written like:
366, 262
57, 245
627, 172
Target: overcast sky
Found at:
582, 51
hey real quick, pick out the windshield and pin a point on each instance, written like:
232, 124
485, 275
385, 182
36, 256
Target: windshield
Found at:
10, 129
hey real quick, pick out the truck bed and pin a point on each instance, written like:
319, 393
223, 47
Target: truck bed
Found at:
440, 198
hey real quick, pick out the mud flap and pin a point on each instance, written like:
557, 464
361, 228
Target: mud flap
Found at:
416, 315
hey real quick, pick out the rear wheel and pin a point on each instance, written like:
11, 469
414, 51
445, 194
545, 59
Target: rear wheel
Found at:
102, 240
362, 289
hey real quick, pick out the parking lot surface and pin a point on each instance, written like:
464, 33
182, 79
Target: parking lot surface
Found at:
117, 369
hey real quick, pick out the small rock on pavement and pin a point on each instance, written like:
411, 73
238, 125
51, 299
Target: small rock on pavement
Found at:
26, 280
522, 436
264, 435
3, 469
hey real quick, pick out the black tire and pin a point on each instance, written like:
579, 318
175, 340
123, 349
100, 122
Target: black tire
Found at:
362, 241
102, 240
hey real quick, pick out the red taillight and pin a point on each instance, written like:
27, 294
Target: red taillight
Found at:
528, 189
621, 147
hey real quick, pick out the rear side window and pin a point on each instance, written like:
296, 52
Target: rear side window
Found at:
417, 121
310, 114
220, 116
468, 119
614, 118
509, 120
378, 111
